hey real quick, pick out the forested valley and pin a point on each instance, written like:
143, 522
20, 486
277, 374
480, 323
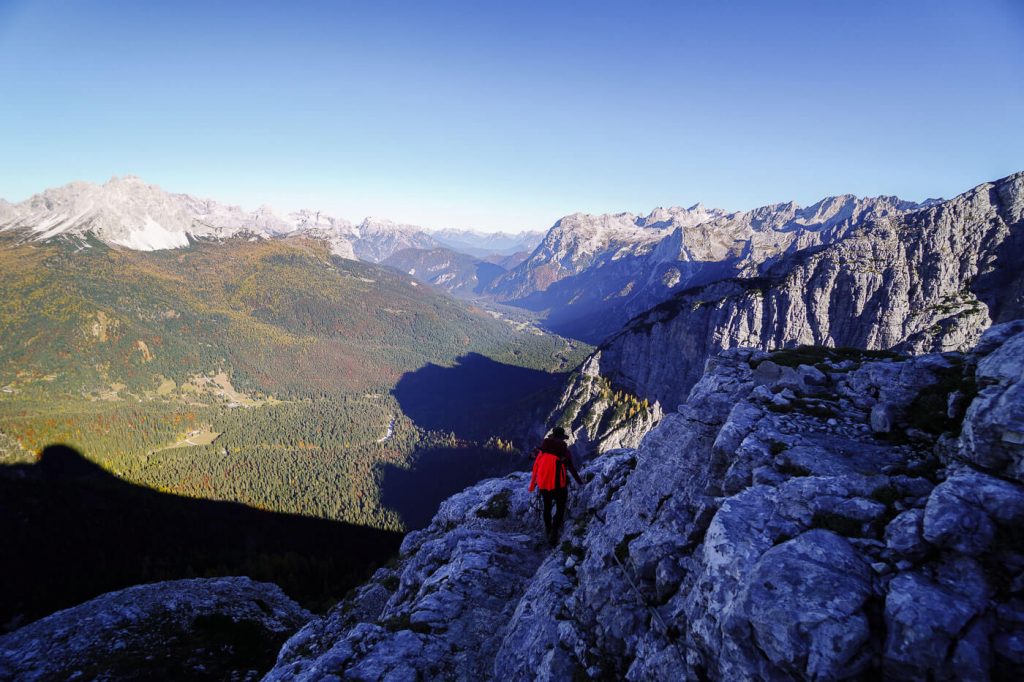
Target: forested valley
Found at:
266, 373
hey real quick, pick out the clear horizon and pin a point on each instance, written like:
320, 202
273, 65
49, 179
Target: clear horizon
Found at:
506, 118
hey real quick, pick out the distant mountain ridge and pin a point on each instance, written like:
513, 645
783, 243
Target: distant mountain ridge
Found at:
456, 272
128, 212
585, 277
929, 280
591, 273
490, 243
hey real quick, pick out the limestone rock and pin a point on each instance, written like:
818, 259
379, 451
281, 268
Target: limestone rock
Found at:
993, 430
924, 620
217, 628
965, 511
903, 535
888, 283
743, 538
801, 609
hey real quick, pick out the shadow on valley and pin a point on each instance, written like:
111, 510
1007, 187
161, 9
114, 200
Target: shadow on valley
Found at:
597, 302
478, 398
485, 274
71, 531
437, 474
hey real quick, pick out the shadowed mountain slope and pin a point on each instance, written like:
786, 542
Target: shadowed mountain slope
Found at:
72, 531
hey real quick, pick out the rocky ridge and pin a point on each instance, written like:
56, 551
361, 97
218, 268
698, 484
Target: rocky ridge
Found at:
593, 273
808, 514
130, 213
931, 280
457, 273
599, 417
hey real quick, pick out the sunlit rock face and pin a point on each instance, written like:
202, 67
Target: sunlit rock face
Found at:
926, 281
774, 527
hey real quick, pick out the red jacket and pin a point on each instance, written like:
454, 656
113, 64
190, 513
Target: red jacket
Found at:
552, 466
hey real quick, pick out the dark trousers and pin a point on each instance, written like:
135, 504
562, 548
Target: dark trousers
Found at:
557, 498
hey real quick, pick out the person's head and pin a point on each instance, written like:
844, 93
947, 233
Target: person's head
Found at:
559, 433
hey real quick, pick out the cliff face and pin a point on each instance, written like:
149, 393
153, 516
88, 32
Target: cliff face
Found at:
807, 514
926, 281
599, 417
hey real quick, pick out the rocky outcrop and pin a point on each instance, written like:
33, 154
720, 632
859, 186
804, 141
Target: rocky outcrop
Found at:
809, 514
216, 629
993, 431
599, 417
442, 612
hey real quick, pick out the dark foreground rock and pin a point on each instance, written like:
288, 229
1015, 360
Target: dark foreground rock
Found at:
807, 514
214, 629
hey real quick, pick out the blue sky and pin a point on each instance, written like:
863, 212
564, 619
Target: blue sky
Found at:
507, 115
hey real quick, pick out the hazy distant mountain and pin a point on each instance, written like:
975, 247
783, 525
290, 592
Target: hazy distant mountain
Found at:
375, 239
458, 273
484, 244
129, 213
592, 273
510, 261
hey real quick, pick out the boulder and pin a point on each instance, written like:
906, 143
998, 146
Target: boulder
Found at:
992, 436
801, 610
964, 512
904, 537
216, 628
926, 620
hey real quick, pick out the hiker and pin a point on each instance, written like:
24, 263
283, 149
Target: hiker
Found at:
549, 474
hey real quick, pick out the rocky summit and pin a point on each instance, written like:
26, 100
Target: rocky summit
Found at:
806, 514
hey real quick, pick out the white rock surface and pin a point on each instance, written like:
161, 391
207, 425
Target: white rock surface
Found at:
129, 213
742, 539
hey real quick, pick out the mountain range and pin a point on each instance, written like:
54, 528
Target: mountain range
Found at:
585, 277
127, 212
591, 274
801, 427
925, 280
